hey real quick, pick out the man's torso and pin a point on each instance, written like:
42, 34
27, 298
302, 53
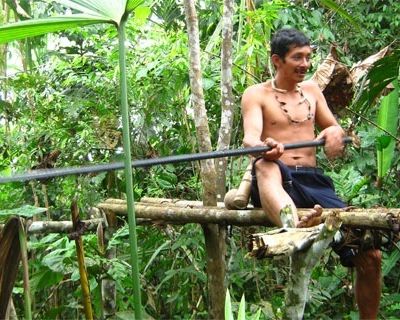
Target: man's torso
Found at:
278, 123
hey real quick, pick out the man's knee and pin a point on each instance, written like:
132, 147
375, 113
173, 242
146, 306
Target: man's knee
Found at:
267, 169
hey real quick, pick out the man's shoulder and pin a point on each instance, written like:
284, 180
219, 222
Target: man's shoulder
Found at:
310, 85
258, 88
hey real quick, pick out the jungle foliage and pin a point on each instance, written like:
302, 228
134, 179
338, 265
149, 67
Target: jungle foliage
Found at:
59, 107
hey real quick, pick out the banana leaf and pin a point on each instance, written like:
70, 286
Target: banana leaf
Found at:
388, 120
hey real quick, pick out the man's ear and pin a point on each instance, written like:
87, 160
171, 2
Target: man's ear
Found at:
276, 60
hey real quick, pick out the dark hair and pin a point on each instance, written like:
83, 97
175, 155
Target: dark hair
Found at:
285, 39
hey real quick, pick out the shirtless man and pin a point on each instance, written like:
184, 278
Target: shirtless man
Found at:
285, 109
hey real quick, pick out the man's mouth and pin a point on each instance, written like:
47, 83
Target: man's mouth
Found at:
301, 72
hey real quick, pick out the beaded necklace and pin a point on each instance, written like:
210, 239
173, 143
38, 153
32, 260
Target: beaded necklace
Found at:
282, 104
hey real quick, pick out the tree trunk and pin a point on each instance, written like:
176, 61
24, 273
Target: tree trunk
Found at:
302, 263
227, 110
197, 97
214, 234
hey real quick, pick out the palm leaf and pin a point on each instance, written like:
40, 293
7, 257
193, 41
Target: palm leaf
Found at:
382, 73
89, 12
133, 4
37, 27
114, 10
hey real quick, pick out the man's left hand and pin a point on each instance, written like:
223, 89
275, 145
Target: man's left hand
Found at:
334, 145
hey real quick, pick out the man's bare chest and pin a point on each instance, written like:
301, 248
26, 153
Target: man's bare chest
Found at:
288, 109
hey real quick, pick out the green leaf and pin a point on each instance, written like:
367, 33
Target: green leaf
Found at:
32, 28
228, 306
25, 211
390, 262
90, 12
257, 315
141, 15
383, 72
242, 309
113, 10
133, 4
155, 254
383, 142
343, 13
387, 119
124, 315
47, 278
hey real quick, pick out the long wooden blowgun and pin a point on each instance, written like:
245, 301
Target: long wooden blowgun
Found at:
43, 174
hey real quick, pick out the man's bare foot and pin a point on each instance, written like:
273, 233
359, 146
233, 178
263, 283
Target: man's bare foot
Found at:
311, 219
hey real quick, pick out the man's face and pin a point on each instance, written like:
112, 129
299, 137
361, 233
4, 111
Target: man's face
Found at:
296, 63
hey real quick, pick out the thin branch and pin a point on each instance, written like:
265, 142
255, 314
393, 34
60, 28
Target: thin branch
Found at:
373, 123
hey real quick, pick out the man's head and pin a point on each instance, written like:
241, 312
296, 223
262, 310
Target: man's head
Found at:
291, 54
286, 39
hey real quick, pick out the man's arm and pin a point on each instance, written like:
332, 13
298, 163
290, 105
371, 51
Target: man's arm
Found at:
332, 132
253, 124
252, 118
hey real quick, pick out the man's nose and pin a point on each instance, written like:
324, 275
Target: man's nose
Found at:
305, 62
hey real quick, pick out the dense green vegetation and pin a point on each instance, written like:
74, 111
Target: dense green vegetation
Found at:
59, 96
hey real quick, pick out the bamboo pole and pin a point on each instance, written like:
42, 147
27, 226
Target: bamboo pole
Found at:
38, 227
87, 305
184, 212
25, 267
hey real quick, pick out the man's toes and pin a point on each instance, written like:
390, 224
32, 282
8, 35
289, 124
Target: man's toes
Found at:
317, 210
312, 218
304, 220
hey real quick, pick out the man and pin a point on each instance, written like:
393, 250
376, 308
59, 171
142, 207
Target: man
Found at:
286, 109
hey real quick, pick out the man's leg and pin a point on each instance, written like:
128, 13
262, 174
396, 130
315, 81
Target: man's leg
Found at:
275, 201
368, 283
272, 195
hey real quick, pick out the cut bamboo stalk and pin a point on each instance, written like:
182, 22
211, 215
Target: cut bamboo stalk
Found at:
242, 196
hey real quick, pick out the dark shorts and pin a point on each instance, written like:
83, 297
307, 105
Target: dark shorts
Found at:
307, 186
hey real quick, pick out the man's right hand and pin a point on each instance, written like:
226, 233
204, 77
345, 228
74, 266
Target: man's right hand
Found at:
276, 152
